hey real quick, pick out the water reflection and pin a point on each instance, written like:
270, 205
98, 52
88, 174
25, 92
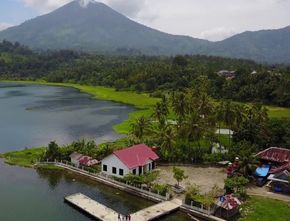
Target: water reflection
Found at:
53, 178
37, 114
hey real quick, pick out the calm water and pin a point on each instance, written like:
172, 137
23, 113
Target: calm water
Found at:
33, 115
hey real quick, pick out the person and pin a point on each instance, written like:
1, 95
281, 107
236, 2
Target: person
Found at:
129, 217
119, 217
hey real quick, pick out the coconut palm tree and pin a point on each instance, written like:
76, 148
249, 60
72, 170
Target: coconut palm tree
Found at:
229, 116
167, 141
141, 127
179, 105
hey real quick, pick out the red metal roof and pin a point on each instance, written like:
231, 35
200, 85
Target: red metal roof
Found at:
275, 154
135, 156
229, 202
282, 168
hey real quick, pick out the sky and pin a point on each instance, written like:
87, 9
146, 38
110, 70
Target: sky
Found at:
207, 19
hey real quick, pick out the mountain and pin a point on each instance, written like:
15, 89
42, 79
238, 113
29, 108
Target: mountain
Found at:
264, 46
97, 27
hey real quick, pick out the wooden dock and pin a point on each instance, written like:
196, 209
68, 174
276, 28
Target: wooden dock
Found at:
101, 212
156, 211
91, 207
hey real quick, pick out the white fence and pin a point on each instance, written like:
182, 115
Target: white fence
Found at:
110, 181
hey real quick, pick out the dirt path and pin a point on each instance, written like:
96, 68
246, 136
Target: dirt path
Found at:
263, 192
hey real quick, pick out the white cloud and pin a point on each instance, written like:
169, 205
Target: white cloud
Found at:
45, 5
3, 26
209, 19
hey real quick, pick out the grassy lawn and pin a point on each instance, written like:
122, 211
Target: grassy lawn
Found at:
264, 209
24, 158
278, 112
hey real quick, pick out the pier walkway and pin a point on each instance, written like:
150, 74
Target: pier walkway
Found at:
101, 212
156, 211
91, 207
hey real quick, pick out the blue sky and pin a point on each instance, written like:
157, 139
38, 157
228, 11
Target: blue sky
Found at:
15, 11
208, 19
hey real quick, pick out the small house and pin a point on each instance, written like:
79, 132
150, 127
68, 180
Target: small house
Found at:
275, 156
279, 179
277, 160
74, 158
78, 160
227, 206
138, 159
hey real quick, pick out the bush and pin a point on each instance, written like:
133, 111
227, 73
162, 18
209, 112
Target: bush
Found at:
160, 189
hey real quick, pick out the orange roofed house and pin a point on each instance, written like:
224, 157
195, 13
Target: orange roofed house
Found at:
137, 160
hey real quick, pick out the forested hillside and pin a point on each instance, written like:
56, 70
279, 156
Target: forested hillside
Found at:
252, 82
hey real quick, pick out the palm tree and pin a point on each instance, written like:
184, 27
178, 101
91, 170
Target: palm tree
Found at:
179, 105
194, 128
220, 116
240, 115
229, 116
244, 150
141, 127
167, 141
161, 111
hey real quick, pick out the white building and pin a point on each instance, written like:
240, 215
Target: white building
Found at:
137, 160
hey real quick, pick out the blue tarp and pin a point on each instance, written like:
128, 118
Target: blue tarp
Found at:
263, 171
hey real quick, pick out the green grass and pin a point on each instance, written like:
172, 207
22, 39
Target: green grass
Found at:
265, 209
278, 112
24, 158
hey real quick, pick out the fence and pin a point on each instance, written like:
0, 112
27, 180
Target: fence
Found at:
208, 211
107, 180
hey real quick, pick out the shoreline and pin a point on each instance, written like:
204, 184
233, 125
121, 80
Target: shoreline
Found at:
142, 102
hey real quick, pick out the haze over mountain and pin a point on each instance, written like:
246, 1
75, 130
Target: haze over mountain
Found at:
97, 27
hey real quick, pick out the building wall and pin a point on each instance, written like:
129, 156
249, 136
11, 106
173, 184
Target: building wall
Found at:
75, 162
113, 161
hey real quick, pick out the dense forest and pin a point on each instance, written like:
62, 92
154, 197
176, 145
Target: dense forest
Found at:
251, 82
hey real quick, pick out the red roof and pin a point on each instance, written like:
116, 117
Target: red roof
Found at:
282, 168
229, 202
135, 156
275, 154
87, 161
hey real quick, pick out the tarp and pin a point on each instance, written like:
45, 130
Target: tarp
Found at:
263, 171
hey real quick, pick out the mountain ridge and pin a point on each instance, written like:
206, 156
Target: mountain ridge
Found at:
98, 27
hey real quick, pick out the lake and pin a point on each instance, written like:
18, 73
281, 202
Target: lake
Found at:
32, 116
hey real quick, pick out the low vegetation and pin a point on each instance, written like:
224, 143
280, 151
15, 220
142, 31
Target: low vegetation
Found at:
259, 208
25, 158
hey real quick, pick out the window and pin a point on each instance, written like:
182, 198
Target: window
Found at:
134, 171
114, 170
105, 167
121, 172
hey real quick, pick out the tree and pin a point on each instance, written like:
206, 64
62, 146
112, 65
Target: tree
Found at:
245, 151
236, 185
166, 139
52, 152
179, 175
140, 127
179, 105
180, 61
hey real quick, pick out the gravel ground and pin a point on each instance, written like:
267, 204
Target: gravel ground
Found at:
205, 177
